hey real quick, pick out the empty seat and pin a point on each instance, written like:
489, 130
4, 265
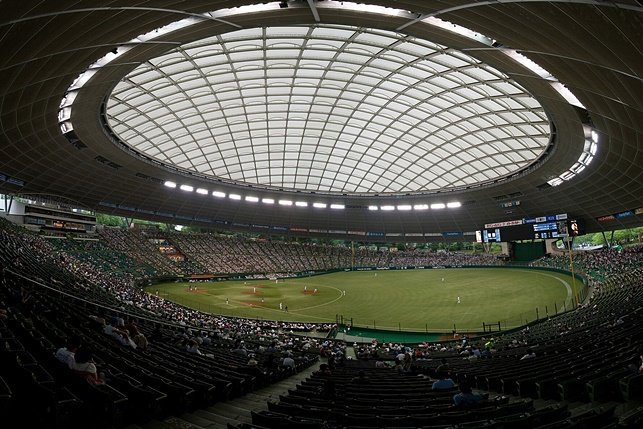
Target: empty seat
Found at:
632, 386
6, 398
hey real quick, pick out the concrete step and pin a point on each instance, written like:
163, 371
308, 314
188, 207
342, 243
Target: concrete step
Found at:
236, 410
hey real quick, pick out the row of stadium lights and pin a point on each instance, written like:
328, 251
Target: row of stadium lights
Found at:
317, 205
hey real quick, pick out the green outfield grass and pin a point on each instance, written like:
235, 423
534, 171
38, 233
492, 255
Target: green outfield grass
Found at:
417, 300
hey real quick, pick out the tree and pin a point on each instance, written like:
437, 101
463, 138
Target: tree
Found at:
110, 220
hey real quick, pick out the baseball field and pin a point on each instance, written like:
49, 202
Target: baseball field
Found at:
432, 300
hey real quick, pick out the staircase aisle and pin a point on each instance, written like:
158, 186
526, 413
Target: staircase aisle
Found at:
234, 411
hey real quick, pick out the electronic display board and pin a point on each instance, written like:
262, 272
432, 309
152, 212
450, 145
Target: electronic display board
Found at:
491, 235
576, 227
551, 226
557, 229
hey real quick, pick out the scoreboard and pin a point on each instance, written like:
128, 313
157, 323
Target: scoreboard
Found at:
557, 229
551, 226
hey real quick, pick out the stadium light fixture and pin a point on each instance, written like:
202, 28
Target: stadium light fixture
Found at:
268, 201
218, 194
337, 206
387, 208
373, 208
202, 191
187, 188
301, 204
437, 206
252, 199
404, 207
170, 184
285, 203
454, 205
319, 205
421, 207
236, 197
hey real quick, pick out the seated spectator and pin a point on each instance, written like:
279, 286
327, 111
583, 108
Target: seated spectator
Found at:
193, 347
123, 337
252, 361
3, 314
85, 367
466, 397
240, 349
443, 367
324, 370
332, 361
399, 367
66, 354
131, 327
380, 364
288, 362
475, 351
443, 382
205, 338
407, 362
327, 390
489, 344
140, 340
486, 353
529, 355
99, 320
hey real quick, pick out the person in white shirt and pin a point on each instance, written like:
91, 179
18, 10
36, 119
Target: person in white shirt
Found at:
193, 347
66, 354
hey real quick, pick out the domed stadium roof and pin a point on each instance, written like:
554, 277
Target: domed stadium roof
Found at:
416, 119
329, 108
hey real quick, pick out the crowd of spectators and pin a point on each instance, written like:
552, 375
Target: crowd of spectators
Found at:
138, 246
390, 354
99, 255
223, 254
25, 251
101, 264
596, 265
